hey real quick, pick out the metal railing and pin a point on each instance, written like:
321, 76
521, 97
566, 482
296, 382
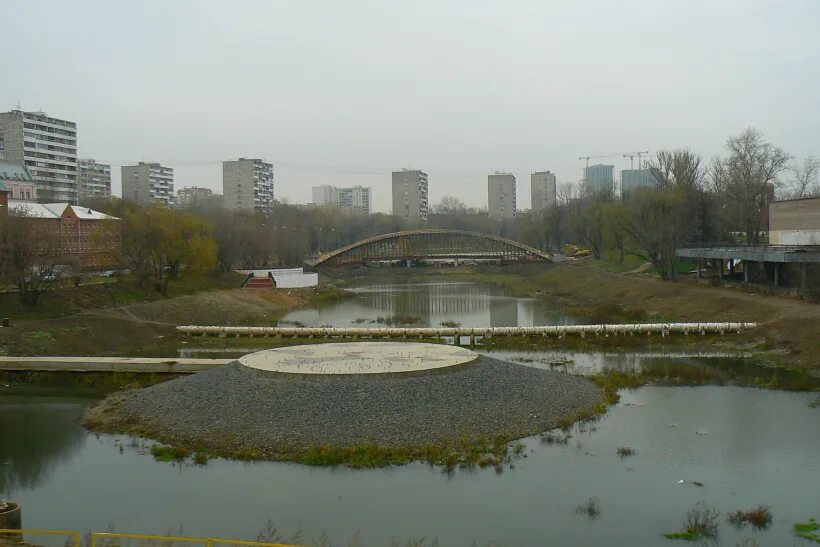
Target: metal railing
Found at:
115, 539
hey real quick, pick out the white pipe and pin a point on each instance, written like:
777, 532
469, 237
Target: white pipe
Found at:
432, 332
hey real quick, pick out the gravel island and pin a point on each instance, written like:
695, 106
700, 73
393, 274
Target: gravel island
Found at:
237, 411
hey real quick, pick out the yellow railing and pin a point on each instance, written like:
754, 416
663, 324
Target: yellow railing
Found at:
70, 534
108, 539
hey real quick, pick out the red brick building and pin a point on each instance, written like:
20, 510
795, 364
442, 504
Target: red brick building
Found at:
83, 236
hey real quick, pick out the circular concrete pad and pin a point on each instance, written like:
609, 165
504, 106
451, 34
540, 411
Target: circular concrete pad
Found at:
358, 358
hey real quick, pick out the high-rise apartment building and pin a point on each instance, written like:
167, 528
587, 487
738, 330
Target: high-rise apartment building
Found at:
47, 147
94, 180
501, 196
326, 195
189, 196
598, 179
148, 183
356, 199
542, 190
247, 185
632, 179
410, 195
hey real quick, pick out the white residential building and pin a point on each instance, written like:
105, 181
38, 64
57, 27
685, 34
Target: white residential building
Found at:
94, 180
501, 196
410, 195
148, 183
247, 185
543, 190
326, 195
47, 147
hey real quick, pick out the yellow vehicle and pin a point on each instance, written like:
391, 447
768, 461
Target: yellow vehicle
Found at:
575, 250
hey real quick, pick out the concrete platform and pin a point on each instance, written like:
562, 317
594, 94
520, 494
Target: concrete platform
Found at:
109, 364
358, 358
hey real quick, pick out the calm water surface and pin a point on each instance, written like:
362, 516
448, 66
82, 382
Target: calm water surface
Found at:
747, 446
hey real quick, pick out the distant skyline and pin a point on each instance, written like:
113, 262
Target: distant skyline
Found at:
345, 93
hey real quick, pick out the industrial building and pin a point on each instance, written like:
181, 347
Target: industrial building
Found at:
791, 259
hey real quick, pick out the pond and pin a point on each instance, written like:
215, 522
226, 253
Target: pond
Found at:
431, 304
745, 445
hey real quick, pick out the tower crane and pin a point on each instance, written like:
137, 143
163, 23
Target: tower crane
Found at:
587, 158
633, 155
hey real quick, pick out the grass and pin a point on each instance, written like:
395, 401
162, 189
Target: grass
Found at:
760, 517
449, 323
400, 319
807, 530
324, 296
699, 523
164, 453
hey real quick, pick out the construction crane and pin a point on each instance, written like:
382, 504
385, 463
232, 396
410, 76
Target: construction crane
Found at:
633, 155
587, 158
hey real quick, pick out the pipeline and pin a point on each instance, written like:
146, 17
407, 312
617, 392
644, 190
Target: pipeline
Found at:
558, 331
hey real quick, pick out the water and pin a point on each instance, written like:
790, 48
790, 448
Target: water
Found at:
431, 304
747, 446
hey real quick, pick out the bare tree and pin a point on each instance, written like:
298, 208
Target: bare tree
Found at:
745, 177
450, 205
30, 251
803, 183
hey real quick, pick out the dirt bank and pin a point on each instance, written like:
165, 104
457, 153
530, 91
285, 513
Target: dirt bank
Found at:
146, 328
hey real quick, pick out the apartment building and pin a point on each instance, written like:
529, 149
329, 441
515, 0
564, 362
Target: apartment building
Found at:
247, 184
501, 196
189, 196
45, 145
355, 199
148, 183
410, 195
599, 179
543, 190
94, 180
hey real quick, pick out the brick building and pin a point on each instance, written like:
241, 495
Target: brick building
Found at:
84, 236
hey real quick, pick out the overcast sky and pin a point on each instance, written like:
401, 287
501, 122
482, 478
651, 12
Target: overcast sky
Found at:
344, 93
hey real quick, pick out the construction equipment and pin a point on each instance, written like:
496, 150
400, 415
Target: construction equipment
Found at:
587, 158
571, 250
633, 155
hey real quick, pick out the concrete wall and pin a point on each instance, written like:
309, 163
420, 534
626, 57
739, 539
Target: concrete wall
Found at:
795, 222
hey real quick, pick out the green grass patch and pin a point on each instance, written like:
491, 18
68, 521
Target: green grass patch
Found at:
807, 530
324, 296
163, 453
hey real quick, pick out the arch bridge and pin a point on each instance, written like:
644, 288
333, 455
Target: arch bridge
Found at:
431, 244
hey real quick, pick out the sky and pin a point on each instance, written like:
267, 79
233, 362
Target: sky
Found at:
343, 93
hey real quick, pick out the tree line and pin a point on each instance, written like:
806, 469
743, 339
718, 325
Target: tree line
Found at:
689, 202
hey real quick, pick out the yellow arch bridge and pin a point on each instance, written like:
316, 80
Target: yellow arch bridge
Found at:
429, 245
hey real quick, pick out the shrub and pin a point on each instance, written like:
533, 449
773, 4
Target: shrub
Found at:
700, 522
625, 451
590, 509
760, 517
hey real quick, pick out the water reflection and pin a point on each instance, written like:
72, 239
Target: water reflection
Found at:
35, 438
430, 304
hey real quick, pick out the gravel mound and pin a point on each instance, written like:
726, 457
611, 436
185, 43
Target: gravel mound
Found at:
233, 407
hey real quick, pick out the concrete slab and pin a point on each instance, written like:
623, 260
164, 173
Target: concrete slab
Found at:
358, 358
